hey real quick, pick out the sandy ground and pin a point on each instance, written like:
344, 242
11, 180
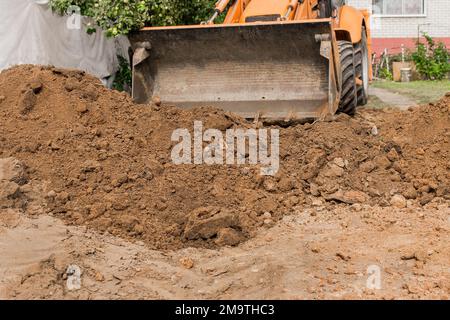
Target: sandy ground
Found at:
311, 254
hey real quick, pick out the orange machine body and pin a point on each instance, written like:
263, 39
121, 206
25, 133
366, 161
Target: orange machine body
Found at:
348, 22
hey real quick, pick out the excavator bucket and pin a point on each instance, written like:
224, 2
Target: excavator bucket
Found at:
275, 70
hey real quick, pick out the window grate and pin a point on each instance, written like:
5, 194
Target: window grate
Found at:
398, 7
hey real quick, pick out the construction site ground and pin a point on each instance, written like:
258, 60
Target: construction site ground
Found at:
360, 208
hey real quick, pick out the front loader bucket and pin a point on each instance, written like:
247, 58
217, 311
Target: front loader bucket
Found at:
276, 70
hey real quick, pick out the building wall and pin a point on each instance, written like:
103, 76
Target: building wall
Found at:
392, 31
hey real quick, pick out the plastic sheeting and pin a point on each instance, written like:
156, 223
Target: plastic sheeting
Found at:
31, 34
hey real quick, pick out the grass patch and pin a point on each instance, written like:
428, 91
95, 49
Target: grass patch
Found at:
420, 91
375, 103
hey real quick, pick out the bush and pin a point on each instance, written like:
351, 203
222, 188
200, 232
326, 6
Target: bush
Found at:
432, 61
176, 12
384, 73
120, 17
122, 81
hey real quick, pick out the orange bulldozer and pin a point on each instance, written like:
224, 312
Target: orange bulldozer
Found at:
268, 59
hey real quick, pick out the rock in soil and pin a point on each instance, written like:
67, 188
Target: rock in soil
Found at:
205, 223
398, 201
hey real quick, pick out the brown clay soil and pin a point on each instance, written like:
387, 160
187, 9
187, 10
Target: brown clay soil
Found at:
86, 177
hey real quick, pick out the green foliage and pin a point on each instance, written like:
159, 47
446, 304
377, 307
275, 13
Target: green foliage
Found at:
122, 82
176, 12
384, 73
61, 6
118, 17
432, 61
114, 16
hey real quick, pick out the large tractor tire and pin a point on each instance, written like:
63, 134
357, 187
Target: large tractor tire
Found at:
362, 66
349, 100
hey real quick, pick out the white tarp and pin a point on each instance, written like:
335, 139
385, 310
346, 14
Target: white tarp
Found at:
31, 34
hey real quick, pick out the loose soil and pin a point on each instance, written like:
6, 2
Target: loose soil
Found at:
100, 160
82, 166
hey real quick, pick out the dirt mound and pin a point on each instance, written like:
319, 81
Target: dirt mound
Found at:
376, 155
93, 157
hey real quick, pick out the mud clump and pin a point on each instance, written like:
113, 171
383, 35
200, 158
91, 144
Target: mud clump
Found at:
205, 223
12, 177
102, 161
27, 101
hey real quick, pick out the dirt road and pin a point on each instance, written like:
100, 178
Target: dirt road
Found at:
315, 253
358, 209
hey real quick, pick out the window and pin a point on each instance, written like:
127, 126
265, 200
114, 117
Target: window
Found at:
399, 7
